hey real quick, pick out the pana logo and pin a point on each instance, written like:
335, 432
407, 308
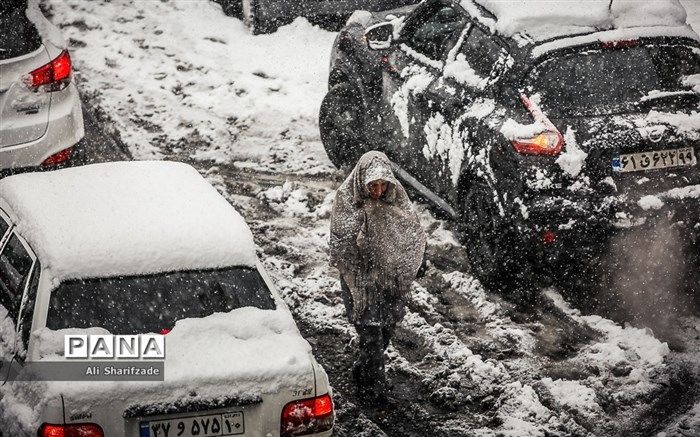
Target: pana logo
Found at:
148, 346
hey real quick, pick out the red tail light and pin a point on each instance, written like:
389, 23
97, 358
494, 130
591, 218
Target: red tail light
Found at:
549, 142
58, 158
75, 430
549, 237
53, 76
307, 416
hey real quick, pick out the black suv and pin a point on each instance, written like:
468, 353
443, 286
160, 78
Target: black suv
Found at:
544, 150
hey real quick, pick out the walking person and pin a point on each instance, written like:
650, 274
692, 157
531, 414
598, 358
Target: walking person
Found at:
377, 245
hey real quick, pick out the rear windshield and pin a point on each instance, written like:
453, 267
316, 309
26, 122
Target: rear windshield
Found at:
145, 304
604, 82
18, 36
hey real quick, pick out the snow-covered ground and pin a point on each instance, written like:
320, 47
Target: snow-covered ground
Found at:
179, 80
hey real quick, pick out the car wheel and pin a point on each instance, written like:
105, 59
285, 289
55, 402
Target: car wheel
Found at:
495, 257
341, 125
252, 18
233, 8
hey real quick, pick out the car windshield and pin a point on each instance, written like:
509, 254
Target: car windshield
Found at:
18, 36
145, 304
603, 81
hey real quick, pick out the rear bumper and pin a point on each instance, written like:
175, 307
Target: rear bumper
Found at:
272, 9
65, 129
586, 229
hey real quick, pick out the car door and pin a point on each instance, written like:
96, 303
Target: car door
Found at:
414, 64
461, 100
19, 271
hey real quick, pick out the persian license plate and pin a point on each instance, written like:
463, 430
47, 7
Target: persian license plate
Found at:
212, 425
654, 160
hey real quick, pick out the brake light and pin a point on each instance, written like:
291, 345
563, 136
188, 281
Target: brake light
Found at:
75, 430
622, 44
549, 237
549, 142
307, 416
58, 158
53, 76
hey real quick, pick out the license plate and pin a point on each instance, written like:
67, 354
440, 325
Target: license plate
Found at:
654, 160
212, 425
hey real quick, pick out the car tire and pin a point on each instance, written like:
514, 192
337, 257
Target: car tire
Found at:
253, 20
496, 258
341, 125
233, 8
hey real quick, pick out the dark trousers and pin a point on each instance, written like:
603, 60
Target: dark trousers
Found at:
368, 370
374, 330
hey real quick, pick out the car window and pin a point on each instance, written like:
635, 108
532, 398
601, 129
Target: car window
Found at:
597, 82
4, 227
481, 52
143, 304
436, 26
27, 308
15, 265
19, 36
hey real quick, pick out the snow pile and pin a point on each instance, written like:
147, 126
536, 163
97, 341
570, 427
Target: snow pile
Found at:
687, 125
692, 81
572, 394
181, 77
542, 20
573, 158
463, 73
513, 130
419, 79
627, 346
445, 141
650, 202
126, 218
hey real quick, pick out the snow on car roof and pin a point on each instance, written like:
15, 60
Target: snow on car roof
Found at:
126, 218
545, 19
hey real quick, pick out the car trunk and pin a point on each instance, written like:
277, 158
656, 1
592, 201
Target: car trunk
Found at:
24, 113
640, 152
632, 106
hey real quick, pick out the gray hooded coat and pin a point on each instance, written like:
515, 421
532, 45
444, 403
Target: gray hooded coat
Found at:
377, 245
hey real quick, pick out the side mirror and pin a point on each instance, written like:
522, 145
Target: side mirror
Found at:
379, 36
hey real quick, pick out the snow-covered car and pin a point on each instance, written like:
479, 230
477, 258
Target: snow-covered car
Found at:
264, 16
129, 248
40, 113
545, 128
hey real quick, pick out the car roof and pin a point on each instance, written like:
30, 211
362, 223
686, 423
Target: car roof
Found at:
126, 218
544, 20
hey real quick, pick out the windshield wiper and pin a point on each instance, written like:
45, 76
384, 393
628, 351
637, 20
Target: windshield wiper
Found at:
667, 97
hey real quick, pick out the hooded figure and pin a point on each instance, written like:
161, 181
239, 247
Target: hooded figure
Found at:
377, 245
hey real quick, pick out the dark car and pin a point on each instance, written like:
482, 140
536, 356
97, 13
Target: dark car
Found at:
544, 148
264, 16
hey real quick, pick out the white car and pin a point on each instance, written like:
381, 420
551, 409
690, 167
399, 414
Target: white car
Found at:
131, 248
40, 113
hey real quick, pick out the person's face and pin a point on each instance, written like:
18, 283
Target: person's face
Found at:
377, 188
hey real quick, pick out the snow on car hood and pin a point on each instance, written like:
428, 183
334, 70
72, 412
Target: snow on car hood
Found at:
246, 353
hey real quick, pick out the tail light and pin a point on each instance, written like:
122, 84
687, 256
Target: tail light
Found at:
307, 416
58, 158
549, 237
75, 430
549, 142
53, 76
